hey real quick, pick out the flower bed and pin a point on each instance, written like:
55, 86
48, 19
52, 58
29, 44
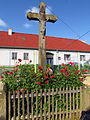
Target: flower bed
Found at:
23, 77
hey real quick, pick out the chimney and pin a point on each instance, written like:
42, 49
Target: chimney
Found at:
9, 31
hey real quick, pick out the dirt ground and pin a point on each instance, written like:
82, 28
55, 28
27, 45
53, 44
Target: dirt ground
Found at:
87, 80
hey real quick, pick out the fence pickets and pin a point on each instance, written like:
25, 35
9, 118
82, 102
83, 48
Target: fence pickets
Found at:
51, 104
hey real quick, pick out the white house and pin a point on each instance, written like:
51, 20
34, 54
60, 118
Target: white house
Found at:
25, 46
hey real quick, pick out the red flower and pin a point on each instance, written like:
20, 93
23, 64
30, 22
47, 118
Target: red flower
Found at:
71, 63
47, 74
15, 69
40, 67
38, 83
20, 60
33, 69
52, 76
75, 73
21, 90
81, 79
11, 73
46, 82
61, 71
1, 76
16, 92
45, 77
16, 65
86, 70
24, 88
78, 71
63, 64
67, 74
65, 69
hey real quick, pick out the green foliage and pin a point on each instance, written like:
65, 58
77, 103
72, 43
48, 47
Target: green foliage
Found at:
23, 77
86, 67
69, 76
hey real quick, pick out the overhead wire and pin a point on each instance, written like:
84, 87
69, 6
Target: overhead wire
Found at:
64, 23
79, 36
84, 34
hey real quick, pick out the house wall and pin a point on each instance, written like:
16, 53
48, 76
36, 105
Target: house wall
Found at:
6, 56
74, 57
58, 56
20, 56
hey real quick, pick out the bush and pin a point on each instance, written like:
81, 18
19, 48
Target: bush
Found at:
23, 77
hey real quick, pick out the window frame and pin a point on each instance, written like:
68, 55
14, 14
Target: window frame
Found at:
67, 57
25, 56
82, 57
14, 55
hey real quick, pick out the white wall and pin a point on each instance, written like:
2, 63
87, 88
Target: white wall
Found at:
6, 56
75, 57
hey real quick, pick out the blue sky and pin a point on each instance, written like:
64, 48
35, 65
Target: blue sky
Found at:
73, 17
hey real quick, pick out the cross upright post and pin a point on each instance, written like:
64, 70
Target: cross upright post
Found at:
42, 18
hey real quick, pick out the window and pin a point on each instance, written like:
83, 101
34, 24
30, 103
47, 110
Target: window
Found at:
82, 58
49, 58
49, 61
59, 58
26, 56
14, 55
67, 57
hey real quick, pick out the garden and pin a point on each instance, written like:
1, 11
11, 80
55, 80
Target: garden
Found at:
23, 77
51, 94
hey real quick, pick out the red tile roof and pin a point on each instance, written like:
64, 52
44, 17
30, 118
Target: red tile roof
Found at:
22, 40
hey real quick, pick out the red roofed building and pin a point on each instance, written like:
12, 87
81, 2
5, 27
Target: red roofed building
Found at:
25, 46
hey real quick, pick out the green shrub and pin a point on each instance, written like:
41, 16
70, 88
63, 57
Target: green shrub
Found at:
23, 77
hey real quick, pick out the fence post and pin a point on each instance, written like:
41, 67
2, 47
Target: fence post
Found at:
86, 97
2, 102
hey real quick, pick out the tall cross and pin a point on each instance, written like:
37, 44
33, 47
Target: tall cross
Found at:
42, 18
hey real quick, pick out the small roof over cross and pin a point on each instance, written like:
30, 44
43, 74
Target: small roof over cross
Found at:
42, 18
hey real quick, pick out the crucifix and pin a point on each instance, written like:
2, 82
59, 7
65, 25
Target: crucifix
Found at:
42, 18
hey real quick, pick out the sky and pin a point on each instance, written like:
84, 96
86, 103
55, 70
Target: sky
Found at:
73, 18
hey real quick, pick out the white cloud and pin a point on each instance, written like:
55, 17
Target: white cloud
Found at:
27, 25
2, 23
36, 10
33, 9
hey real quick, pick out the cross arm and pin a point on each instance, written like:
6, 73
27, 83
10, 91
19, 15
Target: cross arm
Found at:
51, 18
33, 16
